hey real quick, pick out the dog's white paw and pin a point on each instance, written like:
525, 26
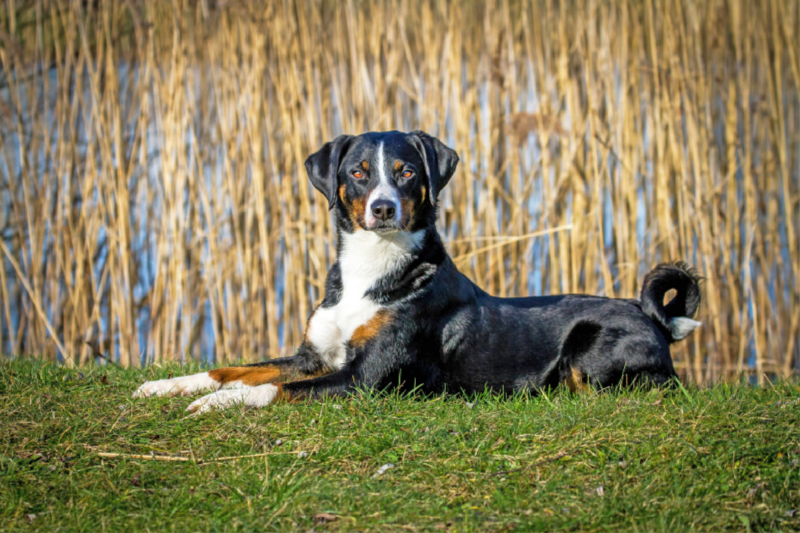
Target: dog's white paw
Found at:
184, 386
259, 396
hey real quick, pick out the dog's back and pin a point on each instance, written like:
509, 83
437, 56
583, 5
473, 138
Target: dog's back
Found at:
477, 341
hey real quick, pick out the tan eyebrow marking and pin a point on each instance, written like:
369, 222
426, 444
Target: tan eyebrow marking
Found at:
398, 165
365, 165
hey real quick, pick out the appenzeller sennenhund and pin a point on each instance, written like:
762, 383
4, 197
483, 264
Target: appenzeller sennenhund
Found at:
396, 311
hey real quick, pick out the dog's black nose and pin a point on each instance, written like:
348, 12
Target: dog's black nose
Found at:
383, 209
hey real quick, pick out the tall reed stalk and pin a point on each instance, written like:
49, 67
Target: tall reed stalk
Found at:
153, 202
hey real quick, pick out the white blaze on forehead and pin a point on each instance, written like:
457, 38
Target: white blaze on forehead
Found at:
384, 191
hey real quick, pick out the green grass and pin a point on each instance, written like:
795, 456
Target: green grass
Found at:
726, 457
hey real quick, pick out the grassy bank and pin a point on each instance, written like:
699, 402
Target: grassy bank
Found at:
726, 457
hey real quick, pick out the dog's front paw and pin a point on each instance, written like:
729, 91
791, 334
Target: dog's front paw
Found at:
259, 396
184, 386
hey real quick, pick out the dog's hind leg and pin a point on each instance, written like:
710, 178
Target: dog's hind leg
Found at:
576, 381
578, 344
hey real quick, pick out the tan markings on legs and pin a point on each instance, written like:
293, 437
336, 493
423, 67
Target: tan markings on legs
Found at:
248, 375
575, 381
366, 332
259, 375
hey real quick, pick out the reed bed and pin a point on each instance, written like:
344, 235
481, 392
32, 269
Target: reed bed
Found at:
154, 206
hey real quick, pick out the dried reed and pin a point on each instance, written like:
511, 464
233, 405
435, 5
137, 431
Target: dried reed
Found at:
154, 201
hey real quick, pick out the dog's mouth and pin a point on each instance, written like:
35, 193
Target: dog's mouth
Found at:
384, 227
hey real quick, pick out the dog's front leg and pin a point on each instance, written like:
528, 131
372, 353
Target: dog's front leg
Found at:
362, 370
234, 377
335, 384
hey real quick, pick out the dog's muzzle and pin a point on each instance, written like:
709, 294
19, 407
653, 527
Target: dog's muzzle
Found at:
383, 216
383, 210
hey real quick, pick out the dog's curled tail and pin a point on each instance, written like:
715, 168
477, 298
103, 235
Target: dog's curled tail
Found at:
674, 319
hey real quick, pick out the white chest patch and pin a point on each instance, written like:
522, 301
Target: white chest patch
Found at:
366, 258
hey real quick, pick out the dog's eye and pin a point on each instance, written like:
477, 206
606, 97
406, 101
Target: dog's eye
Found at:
408, 173
357, 174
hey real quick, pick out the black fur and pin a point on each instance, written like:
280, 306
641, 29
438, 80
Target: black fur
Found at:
323, 169
333, 286
440, 161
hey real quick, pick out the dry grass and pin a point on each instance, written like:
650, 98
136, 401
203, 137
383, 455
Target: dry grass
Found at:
154, 202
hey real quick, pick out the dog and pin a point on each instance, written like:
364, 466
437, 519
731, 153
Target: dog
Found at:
397, 311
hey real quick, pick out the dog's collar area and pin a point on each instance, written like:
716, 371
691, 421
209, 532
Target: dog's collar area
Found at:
365, 246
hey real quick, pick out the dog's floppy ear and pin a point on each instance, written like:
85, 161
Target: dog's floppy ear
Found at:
323, 167
440, 161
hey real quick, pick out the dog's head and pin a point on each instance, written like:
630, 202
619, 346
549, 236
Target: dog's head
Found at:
383, 182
